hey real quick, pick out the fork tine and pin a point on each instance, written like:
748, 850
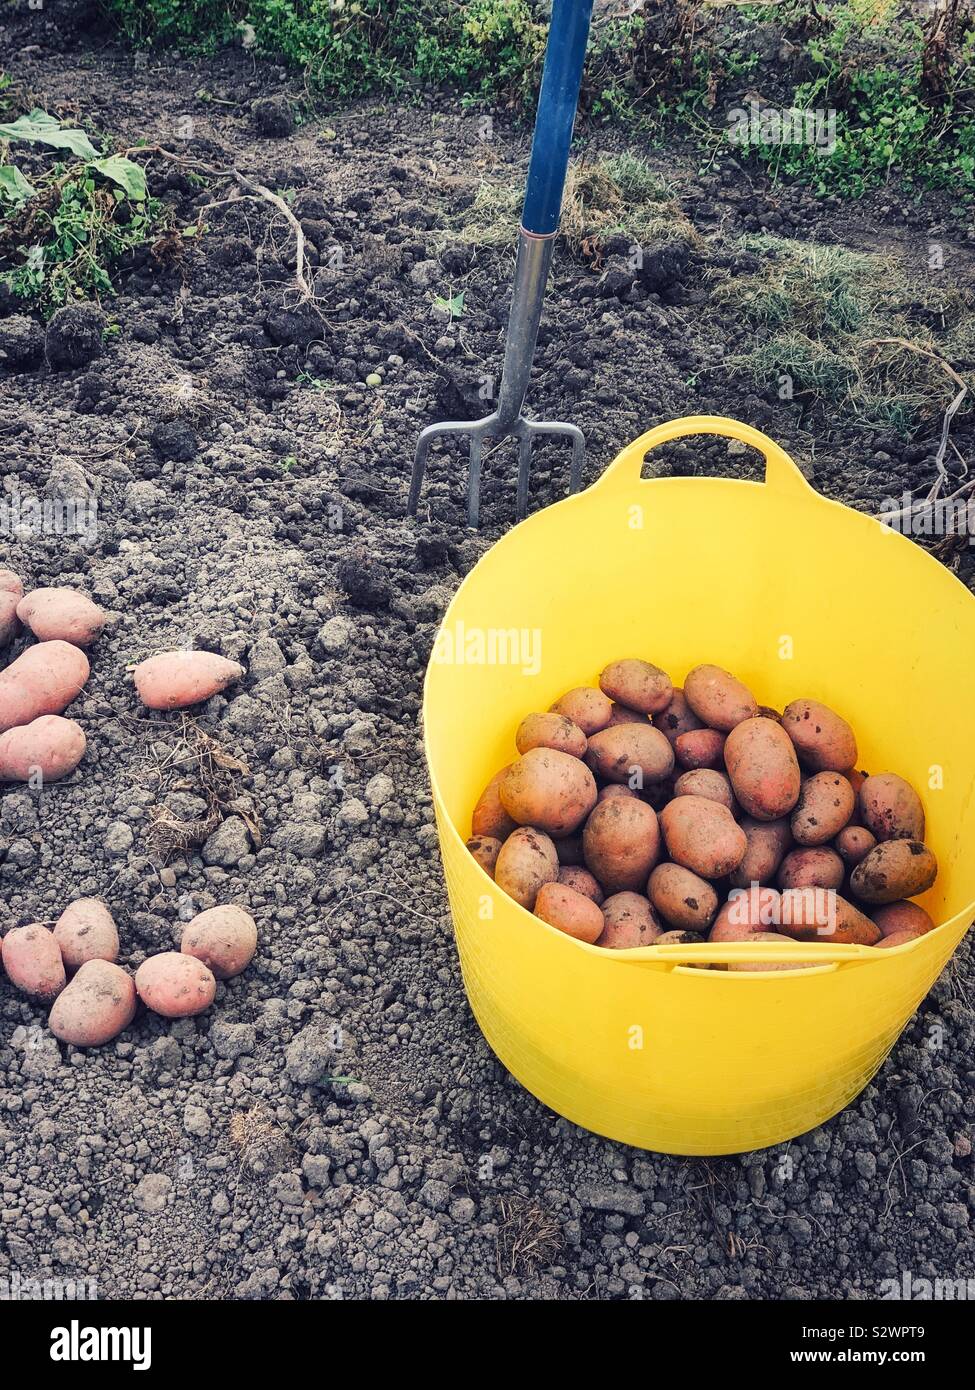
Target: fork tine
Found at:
474, 483
524, 468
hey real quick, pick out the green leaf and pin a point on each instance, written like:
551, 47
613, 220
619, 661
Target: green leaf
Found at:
14, 186
38, 126
128, 175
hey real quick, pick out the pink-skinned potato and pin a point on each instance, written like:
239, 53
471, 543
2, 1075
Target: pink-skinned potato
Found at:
699, 748
682, 898
43, 680
768, 843
587, 707
763, 768
86, 931
485, 850
897, 938
176, 680
489, 817
621, 843
45, 750
550, 731
622, 714
709, 783
902, 916
613, 789
853, 843
528, 859
890, 808
11, 583
33, 963
11, 592
678, 718
702, 836
718, 698
819, 914
826, 803
765, 966
175, 985
549, 790
95, 1005
823, 739
223, 938
575, 876
634, 754
630, 920
894, 869
571, 912
815, 866
637, 684
746, 912
61, 615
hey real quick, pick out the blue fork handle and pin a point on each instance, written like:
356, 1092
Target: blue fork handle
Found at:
557, 101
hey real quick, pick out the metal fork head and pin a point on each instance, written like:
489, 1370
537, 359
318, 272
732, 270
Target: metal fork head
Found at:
492, 427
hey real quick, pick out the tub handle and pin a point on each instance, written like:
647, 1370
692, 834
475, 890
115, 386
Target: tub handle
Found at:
781, 472
760, 952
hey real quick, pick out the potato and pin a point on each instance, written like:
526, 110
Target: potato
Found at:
615, 789
550, 731
223, 938
718, 698
574, 876
43, 680
699, 748
819, 914
768, 843
490, 819
11, 583
33, 961
11, 592
890, 808
61, 615
622, 714
764, 966
485, 850
175, 985
900, 917
587, 707
853, 843
637, 684
95, 1006
678, 938
678, 718
745, 913
702, 836
894, 869
824, 741
763, 768
825, 805
631, 753
767, 712
815, 867
175, 680
897, 938
709, 783
45, 750
571, 912
621, 843
682, 898
86, 931
549, 790
630, 920
527, 860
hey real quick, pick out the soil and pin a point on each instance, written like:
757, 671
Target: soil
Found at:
336, 1126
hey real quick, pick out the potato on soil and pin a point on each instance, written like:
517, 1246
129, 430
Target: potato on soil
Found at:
763, 768
825, 805
11, 583
622, 714
550, 731
528, 859
45, 750
176, 680
768, 843
817, 914
699, 748
630, 753
900, 917
490, 818
43, 680
822, 738
587, 707
223, 938
678, 718
718, 698
709, 783
816, 867
175, 985
744, 914
894, 869
61, 615
890, 808
682, 898
569, 911
621, 843
853, 843
574, 876
549, 790
33, 963
630, 921
637, 684
86, 931
763, 966
95, 1006
702, 836
485, 850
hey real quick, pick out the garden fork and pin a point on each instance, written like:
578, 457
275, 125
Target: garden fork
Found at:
561, 77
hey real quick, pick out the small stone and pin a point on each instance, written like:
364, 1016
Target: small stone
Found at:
118, 839
196, 1121
309, 1055
228, 844
153, 1191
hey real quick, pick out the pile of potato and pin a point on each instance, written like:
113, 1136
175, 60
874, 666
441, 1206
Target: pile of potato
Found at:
74, 969
639, 813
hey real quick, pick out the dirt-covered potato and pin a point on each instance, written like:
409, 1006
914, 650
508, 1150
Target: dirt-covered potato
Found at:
528, 859
61, 615
621, 843
45, 750
569, 911
676, 937
816, 914
822, 738
11, 592
699, 748
550, 731
95, 1006
43, 680
678, 718
766, 966
612, 789
709, 783
763, 768
175, 985
894, 869
682, 898
622, 714
900, 917
890, 808
637, 684
587, 707
768, 843
631, 753
815, 867
490, 818
718, 698
825, 805
630, 920
86, 931
702, 836
32, 960
853, 843
176, 680
485, 850
746, 912
897, 938
550, 790
223, 938
574, 876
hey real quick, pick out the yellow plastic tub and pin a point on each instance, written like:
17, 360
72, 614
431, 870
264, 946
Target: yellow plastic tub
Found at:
798, 596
